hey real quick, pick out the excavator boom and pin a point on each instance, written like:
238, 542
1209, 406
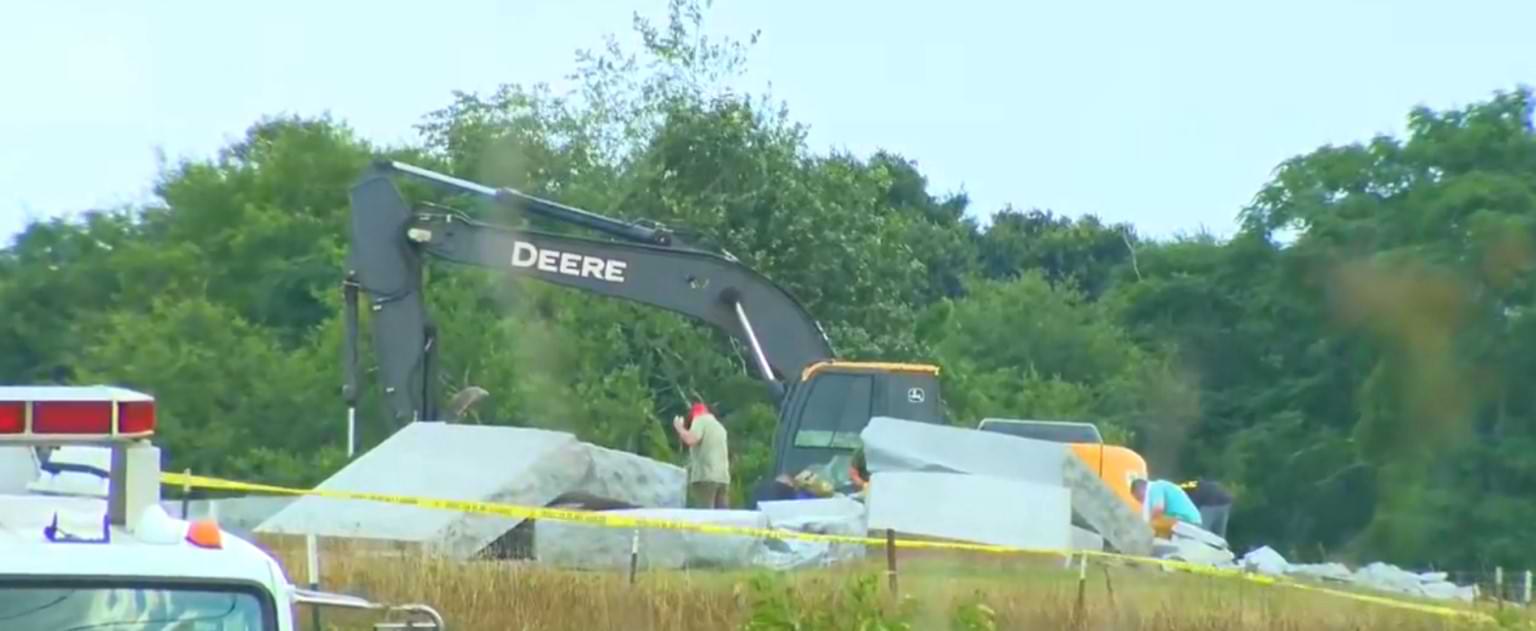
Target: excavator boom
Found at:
390, 239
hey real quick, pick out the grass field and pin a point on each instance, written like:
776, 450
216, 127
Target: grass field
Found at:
939, 591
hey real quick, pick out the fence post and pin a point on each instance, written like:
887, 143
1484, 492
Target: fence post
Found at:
312, 552
1498, 583
1525, 596
634, 555
890, 559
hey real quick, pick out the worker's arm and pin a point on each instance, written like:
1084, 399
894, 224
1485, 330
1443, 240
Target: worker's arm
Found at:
1156, 504
689, 438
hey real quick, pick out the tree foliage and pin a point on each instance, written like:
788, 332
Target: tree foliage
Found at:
1361, 387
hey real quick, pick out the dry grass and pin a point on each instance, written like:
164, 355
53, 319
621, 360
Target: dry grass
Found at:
1021, 593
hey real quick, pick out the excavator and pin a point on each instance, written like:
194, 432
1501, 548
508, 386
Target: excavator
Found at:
823, 402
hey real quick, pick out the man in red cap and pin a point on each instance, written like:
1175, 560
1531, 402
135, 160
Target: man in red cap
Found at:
709, 472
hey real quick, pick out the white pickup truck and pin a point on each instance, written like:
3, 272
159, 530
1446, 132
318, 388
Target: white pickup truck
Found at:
86, 548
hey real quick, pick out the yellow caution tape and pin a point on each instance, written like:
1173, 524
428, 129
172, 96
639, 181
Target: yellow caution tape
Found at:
607, 520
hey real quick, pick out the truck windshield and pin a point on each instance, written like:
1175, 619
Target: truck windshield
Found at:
82, 607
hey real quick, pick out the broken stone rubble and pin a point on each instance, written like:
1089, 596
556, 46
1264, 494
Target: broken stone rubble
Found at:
1191, 551
1379, 576
827, 516
1192, 544
584, 546
1327, 572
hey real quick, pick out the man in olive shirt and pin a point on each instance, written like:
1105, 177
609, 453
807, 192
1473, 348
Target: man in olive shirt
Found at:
709, 472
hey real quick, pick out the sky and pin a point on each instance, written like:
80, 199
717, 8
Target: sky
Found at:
1169, 116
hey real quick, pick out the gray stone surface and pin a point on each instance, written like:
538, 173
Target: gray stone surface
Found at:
894, 445
898, 445
1084, 539
1190, 531
1120, 525
829, 516
1265, 560
635, 479
582, 546
1388, 577
974, 508
1191, 551
1335, 572
526, 467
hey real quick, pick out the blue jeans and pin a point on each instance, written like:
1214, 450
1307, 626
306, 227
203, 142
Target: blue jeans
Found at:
1214, 519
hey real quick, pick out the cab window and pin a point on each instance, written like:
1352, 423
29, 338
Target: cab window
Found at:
835, 412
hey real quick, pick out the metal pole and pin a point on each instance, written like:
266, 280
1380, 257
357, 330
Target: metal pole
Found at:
1526, 596
757, 348
186, 494
1081, 611
537, 205
351, 431
890, 559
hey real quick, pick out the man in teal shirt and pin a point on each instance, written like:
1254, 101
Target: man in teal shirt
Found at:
1164, 498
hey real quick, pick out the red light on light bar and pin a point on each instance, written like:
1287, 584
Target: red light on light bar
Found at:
13, 418
72, 417
136, 417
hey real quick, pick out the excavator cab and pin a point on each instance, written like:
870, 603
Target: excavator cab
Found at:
822, 415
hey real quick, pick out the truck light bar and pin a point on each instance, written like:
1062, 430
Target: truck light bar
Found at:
13, 418
74, 414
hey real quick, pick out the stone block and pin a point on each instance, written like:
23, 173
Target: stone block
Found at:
1120, 525
510, 465
894, 445
641, 481
972, 508
584, 546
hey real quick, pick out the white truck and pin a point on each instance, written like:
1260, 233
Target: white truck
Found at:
87, 546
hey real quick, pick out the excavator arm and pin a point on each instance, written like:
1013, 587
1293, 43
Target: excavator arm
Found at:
391, 240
